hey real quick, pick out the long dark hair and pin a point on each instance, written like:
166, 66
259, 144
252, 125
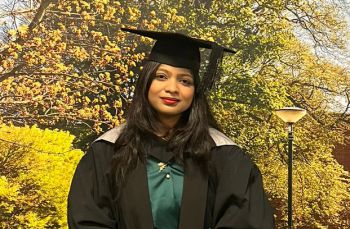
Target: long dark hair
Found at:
192, 130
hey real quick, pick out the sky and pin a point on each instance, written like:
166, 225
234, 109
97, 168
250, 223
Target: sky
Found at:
6, 21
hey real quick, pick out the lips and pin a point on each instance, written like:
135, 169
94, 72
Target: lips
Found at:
169, 101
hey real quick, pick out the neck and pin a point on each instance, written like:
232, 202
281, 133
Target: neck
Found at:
167, 125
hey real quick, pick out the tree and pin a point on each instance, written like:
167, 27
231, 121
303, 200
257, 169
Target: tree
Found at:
73, 66
36, 167
75, 70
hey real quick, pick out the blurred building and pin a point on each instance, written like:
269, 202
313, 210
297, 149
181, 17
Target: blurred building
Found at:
342, 153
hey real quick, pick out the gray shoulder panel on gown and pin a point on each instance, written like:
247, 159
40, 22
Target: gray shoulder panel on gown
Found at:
219, 138
111, 135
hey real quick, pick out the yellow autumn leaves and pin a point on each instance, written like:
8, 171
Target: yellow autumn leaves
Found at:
36, 170
76, 70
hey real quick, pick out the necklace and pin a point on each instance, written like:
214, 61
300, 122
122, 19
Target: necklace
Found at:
162, 166
165, 137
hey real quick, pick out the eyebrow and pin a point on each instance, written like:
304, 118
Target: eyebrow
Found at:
180, 74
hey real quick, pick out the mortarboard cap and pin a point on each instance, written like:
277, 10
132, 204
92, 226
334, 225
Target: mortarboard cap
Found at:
180, 50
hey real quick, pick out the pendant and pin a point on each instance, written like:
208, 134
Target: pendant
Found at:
162, 166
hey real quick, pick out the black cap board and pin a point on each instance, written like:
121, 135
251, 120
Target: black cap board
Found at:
180, 50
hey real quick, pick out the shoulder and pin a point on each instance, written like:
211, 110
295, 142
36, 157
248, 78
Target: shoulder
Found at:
219, 138
102, 149
112, 135
97, 158
227, 151
232, 164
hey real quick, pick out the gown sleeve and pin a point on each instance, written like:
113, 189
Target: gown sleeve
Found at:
90, 203
240, 198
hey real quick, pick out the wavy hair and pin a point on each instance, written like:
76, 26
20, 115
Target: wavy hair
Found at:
192, 130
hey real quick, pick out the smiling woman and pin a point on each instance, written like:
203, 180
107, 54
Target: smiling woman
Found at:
169, 166
170, 94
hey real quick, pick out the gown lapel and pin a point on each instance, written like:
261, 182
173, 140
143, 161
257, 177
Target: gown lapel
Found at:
137, 213
194, 197
136, 200
195, 187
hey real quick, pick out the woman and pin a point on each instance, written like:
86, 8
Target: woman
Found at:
169, 167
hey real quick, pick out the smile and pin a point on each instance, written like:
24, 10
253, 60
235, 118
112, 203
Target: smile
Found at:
169, 101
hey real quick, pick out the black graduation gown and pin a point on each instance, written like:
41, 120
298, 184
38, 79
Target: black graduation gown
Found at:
237, 200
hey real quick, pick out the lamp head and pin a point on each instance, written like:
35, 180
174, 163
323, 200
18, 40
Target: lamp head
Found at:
290, 114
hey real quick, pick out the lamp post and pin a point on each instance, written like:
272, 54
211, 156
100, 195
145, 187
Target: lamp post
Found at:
290, 115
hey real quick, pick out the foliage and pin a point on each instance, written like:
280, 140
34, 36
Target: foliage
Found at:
73, 69
36, 167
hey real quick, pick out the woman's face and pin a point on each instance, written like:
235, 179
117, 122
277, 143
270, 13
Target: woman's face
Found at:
171, 91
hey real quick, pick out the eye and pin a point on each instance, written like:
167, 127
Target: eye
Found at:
186, 81
160, 76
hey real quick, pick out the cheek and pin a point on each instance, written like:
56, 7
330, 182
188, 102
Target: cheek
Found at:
150, 98
188, 95
153, 94
151, 91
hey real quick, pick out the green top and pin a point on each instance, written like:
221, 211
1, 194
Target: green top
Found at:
165, 183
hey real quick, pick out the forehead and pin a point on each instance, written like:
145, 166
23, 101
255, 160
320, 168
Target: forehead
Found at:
171, 69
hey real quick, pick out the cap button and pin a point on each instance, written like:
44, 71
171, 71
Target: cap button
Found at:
167, 176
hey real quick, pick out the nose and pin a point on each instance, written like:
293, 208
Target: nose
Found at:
171, 86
